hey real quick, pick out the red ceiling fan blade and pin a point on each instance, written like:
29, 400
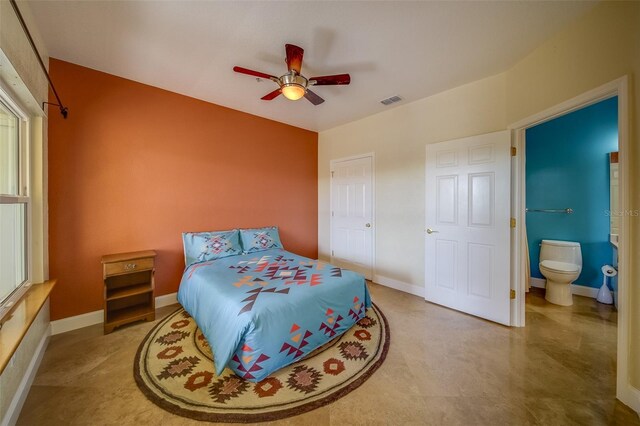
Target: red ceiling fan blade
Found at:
313, 98
294, 57
331, 80
254, 73
272, 95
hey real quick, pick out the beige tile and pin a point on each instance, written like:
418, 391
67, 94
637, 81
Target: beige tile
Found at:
443, 368
379, 402
581, 412
318, 417
477, 411
55, 405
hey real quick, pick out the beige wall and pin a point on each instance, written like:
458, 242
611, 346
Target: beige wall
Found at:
598, 48
15, 46
13, 375
595, 50
21, 75
635, 204
398, 138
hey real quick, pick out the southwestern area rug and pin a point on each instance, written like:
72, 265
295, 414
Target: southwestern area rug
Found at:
174, 369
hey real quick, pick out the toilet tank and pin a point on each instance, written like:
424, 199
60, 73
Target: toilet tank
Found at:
561, 251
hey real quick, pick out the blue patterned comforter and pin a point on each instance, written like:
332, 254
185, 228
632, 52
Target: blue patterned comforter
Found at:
263, 311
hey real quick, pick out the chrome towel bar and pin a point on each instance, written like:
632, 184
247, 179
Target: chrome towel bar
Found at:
567, 211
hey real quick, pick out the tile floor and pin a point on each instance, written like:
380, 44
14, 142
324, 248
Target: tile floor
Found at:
443, 368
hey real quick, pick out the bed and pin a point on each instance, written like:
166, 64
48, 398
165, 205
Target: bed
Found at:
263, 310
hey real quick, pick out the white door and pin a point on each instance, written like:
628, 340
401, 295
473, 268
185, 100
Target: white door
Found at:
468, 225
352, 214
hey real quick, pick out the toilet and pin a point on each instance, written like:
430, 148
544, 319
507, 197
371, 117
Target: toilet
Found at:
560, 264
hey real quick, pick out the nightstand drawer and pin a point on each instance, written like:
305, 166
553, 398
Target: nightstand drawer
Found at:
128, 266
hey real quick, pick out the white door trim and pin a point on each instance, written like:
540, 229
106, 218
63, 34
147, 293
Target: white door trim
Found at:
332, 163
620, 87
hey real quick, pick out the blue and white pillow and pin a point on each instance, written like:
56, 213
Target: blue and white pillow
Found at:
260, 239
204, 246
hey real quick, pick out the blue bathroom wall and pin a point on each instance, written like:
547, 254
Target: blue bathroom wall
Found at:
567, 166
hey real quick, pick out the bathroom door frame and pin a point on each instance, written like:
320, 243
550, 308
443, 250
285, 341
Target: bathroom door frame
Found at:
620, 88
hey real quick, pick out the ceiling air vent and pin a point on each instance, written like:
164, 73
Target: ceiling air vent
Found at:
391, 100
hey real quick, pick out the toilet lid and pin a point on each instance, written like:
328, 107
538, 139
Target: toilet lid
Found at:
559, 266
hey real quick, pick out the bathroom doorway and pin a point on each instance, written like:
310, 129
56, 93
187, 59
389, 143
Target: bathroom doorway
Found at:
617, 90
570, 219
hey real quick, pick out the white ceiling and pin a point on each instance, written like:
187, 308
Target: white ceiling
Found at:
410, 49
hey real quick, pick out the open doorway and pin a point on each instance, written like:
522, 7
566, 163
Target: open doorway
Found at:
571, 224
520, 274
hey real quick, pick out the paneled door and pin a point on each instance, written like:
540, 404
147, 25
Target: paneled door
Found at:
467, 235
352, 214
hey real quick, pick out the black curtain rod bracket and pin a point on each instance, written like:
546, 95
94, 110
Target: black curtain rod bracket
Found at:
63, 110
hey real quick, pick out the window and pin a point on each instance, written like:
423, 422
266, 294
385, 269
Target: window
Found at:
14, 204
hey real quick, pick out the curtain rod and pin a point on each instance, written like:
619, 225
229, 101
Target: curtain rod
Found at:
63, 110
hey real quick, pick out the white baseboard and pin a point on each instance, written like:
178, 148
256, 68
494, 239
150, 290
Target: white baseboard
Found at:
97, 317
583, 290
578, 290
399, 285
79, 321
631, 397
537, 282
166, 300
13, 412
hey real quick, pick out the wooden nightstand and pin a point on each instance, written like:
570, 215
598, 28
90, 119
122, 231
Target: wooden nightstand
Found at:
128, 288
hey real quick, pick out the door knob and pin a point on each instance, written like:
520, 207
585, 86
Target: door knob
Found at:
431, 231
368, 225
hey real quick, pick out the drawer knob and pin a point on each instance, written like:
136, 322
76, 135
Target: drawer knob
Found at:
129, 266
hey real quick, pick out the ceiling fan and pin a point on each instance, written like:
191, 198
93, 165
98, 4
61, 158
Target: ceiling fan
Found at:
293, 85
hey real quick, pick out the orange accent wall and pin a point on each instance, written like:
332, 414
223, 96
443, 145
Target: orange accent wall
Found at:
134, 166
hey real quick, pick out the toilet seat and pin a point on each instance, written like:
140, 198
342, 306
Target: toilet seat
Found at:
560, 267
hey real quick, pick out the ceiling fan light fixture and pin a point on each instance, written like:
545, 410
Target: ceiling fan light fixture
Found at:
293, 91
293, 85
